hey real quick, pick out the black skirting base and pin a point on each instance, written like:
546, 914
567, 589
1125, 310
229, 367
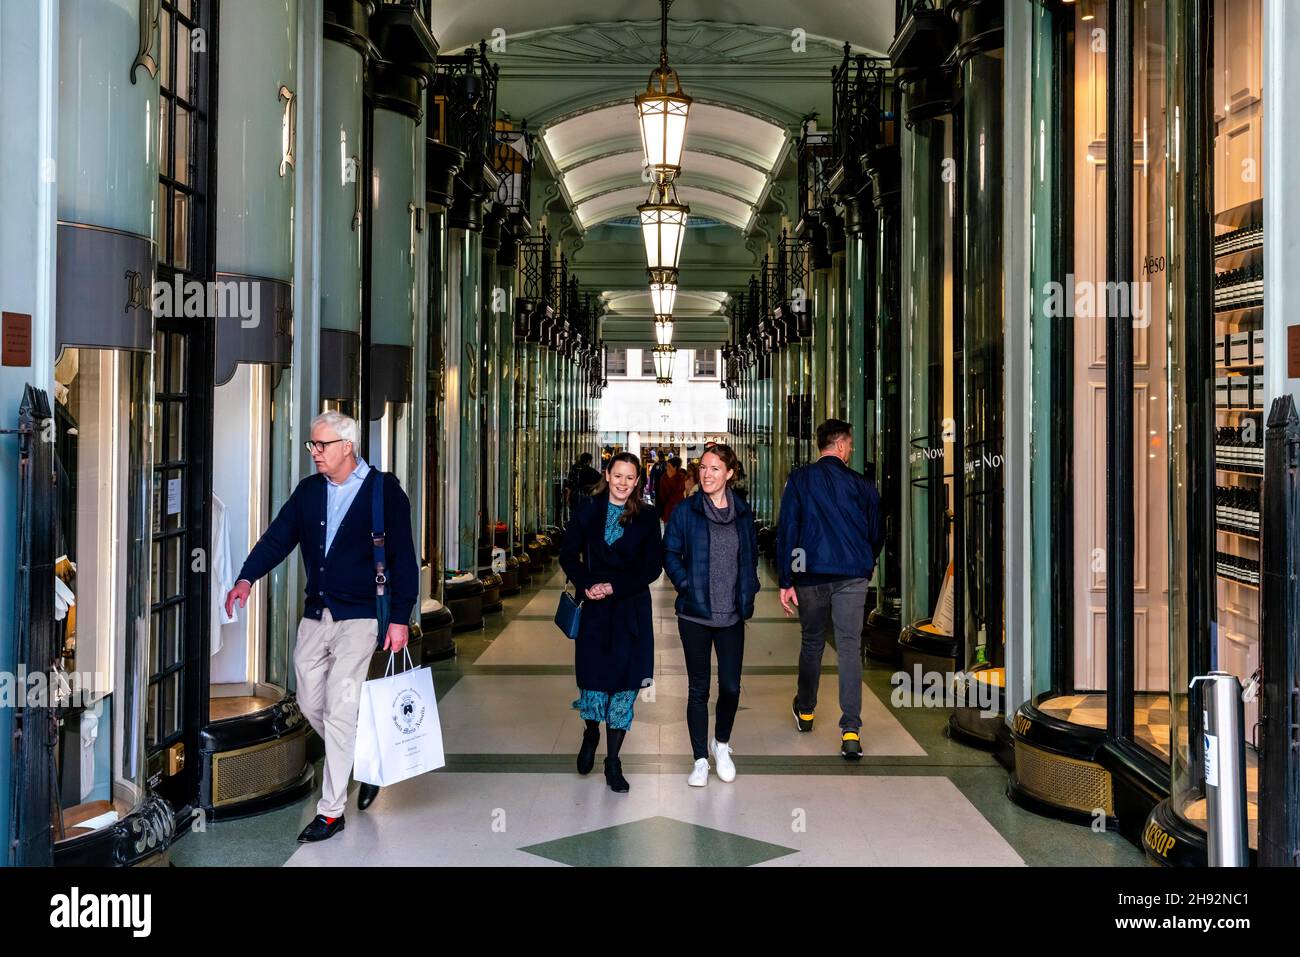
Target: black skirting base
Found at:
254, 762
1056, 772
491, 591
510, 584
465, 602
880, 636
140, 838
437, 630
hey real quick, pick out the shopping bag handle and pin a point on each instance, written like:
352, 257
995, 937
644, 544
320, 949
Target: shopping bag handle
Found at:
392, 657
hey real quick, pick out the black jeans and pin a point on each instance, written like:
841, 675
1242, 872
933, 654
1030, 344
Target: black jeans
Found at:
840, 604
698, 641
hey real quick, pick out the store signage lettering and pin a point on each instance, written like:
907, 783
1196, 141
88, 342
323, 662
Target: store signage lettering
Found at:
134, 290
985, 461
930, 453
1158, 839
1022, 725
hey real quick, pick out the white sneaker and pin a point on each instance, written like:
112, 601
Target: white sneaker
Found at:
700, 775
722, 759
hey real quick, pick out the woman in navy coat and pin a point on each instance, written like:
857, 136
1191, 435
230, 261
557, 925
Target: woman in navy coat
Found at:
612, 552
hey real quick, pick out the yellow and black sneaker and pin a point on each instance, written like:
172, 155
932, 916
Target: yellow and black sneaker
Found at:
851, 746
803, 720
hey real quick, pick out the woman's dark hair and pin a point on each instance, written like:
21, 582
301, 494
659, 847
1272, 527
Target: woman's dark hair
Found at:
729, 460
675, 461
633, 507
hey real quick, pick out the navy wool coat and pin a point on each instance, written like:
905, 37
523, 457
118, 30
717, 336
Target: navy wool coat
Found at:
615, 648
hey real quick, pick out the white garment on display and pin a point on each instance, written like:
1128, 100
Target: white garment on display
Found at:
89, 732
63, 599
222, 571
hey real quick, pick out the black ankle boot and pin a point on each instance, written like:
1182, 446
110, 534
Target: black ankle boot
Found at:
613, 766
587, 753
614, 776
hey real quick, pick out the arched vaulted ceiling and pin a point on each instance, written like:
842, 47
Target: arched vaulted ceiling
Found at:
755, 69
725, 170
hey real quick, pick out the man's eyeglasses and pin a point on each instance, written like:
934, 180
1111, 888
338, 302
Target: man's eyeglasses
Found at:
313, 445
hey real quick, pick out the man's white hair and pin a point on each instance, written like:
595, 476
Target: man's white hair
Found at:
344, 426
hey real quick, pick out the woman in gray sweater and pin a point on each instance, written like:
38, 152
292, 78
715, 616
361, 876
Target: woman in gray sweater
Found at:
711, 556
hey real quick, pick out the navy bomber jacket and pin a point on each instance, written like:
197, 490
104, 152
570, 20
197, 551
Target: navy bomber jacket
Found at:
344, 579
831, 514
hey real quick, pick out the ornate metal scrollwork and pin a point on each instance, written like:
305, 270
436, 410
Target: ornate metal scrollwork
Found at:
148, 31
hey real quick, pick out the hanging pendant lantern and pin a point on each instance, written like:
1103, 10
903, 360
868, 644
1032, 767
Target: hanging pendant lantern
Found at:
664, 330
663, 292
662, 111
663, 226
663, 359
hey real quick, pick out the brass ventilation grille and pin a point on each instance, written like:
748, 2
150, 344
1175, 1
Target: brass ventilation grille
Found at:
261, 769
1064, 782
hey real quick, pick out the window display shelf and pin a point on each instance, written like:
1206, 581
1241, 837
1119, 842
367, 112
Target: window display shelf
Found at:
1239, 258
1238, 471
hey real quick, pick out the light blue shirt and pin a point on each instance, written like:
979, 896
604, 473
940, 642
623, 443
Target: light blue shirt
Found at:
338, 499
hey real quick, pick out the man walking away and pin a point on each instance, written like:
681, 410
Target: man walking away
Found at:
829, 535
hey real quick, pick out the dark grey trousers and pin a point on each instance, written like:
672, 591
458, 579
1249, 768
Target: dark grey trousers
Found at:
841, 604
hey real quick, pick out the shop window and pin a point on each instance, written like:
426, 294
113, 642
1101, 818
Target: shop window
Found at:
705, 364
102, 532
647, 363
615, 361
1236, 305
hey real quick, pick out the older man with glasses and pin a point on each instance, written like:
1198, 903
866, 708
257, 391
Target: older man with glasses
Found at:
329, 518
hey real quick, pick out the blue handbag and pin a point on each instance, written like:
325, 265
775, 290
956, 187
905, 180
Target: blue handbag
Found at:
568, 615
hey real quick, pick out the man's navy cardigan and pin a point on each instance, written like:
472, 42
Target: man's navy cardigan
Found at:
344, 579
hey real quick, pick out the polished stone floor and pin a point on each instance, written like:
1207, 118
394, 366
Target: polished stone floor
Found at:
509, 795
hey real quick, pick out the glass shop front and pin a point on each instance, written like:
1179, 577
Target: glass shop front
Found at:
1147, 408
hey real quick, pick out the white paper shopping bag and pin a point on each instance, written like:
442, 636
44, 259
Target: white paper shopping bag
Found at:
398, 732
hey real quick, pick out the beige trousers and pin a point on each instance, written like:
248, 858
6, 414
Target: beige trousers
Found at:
331, 661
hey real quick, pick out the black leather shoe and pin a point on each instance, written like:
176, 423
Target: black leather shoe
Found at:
320, 829
366, 796
587, 753
614, 776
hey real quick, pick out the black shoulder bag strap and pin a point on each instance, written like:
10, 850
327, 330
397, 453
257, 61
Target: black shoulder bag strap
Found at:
377, 538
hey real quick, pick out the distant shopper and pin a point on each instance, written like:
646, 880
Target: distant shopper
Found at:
329, 518
692, 478
612, 551
829, 535
582, 478
711, 556
658, 463
672, 488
